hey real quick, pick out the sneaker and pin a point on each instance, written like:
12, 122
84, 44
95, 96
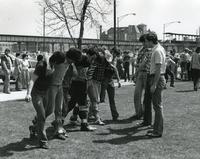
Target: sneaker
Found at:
61, 136
91, 117
153, 135
87, 127
99, 122
143, 124
44, 145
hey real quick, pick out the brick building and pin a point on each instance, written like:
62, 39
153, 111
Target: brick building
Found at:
129, 33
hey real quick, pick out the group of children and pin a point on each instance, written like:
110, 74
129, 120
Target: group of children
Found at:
63, 82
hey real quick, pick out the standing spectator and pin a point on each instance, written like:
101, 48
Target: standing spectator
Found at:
126, 63
119, 64
6, 63
157, 83
18, 72
25, 71
133, 62
142, 69
195, 66
176, 59
170, 64
189, 57
108, 84
183, 64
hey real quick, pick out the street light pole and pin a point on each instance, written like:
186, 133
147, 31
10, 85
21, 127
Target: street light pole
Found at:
114, 24
44, 28
118, 20
165, 25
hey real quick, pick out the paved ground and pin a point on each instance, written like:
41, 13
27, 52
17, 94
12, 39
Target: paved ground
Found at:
20, 95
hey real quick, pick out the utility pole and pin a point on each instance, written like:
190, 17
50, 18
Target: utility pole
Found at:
115, 24
44, 28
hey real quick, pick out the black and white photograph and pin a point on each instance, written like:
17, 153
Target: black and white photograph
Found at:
99, 79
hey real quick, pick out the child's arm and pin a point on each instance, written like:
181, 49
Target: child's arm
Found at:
74, 70
34, 77
117, 74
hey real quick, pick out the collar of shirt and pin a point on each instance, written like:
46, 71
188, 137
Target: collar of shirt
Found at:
155, 47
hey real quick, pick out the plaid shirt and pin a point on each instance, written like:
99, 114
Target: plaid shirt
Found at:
96, 71
144, 60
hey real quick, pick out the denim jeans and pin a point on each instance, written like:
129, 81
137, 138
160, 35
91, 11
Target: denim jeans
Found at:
156, 99
171, 74
139, 89
109, 86
55, 102
25, 78
65, 101
126, 74
78, 92
6, 83
195, 78
93, 90
18, 82
147, 102
39, 100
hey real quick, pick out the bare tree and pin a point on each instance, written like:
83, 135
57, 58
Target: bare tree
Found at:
70, 15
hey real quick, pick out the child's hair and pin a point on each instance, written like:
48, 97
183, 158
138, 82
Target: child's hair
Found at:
57, 58
91, 51
74, 54
152, 36
17, 54
24, 56
142, 38
39, 58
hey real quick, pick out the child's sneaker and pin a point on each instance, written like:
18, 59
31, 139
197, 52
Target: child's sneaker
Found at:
99, 122
43, 145
87, 127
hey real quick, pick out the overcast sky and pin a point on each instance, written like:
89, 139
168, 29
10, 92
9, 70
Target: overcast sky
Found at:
22, 17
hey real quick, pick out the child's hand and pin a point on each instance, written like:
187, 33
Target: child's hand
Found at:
28, 98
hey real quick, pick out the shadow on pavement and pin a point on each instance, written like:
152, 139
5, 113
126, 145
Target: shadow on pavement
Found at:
183, 91
127, 135
122, 121
123, 140
20, 146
